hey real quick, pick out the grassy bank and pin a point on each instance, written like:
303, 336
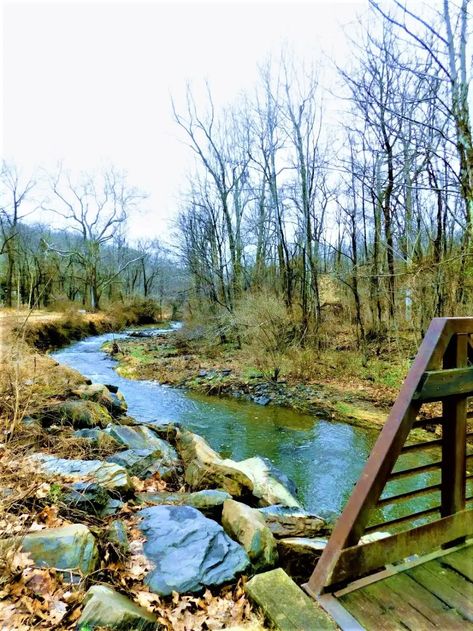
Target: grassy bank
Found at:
179, 360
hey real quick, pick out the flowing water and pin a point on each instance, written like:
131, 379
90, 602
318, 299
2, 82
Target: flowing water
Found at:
324, 458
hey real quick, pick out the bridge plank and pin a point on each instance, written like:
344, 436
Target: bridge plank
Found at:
400, 602
460, 562
447, 585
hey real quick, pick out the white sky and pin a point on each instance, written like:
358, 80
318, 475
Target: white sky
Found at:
90, 83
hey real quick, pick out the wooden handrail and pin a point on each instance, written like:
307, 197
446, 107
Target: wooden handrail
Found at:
439, 372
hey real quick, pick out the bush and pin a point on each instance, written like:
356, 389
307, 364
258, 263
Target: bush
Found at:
264, 323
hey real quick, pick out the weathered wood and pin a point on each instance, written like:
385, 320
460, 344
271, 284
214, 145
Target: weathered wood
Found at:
370, 613
445, 383
392, 570
362, 559
454, 436
445, 345
415, 607
407, 495
424, 468
428, 444
447, 585
285, 605
461, 562
402, 520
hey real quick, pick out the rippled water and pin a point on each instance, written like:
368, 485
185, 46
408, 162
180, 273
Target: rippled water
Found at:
324, 458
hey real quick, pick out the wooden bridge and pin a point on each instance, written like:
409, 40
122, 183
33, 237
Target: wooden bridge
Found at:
420, 576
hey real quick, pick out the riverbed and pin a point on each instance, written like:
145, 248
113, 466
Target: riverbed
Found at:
324, 458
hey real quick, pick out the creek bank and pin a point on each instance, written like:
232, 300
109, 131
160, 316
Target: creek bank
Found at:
170, 361
181, 539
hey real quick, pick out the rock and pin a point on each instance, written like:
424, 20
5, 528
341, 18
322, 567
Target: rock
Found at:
248, 527
208, 501
267, 486
285, 605
202, 373
143, 463
90, 498
164, 429
112, 399
77, 413
104, 607
108, 475
263, 400
112, 507
141, 437
117, 536
205, 468
94, 434
289, 521
188, 550
298, 556
70, 547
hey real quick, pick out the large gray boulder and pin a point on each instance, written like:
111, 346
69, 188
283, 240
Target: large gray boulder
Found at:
269, 484
70, 547
108, 475
205, 468
143, 463
188, 551
247, 526
141, 437
104, 607
108, 396
76, 413
291, 521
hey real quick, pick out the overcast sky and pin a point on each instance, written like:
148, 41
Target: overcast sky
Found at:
90, 83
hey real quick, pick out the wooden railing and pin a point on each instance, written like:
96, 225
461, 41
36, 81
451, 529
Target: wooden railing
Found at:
442, 371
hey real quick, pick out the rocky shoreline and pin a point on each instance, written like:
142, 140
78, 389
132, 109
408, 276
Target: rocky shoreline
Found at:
170, 360
178, 517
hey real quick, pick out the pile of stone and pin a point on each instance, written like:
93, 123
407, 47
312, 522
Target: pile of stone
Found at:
235, 517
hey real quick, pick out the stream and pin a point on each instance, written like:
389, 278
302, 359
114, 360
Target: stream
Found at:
324, 458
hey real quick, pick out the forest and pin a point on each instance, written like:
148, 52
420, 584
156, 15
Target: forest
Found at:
210, 427
354, 203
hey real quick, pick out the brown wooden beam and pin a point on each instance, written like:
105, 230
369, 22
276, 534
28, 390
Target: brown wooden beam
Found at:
438, 384
360, 560
454, 435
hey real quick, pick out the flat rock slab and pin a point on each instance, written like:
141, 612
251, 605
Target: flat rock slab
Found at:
142, 437
78, 413
143, 462
248, 527
104, 607
205, 468
287, 521
203, 500
285, 605
270, 485
67, 548
109, 475
188, 550
108, 396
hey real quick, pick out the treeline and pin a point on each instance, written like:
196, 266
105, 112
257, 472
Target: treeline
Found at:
360, 203
88, 260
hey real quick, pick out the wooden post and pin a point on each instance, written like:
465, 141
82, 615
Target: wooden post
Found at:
454, 434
